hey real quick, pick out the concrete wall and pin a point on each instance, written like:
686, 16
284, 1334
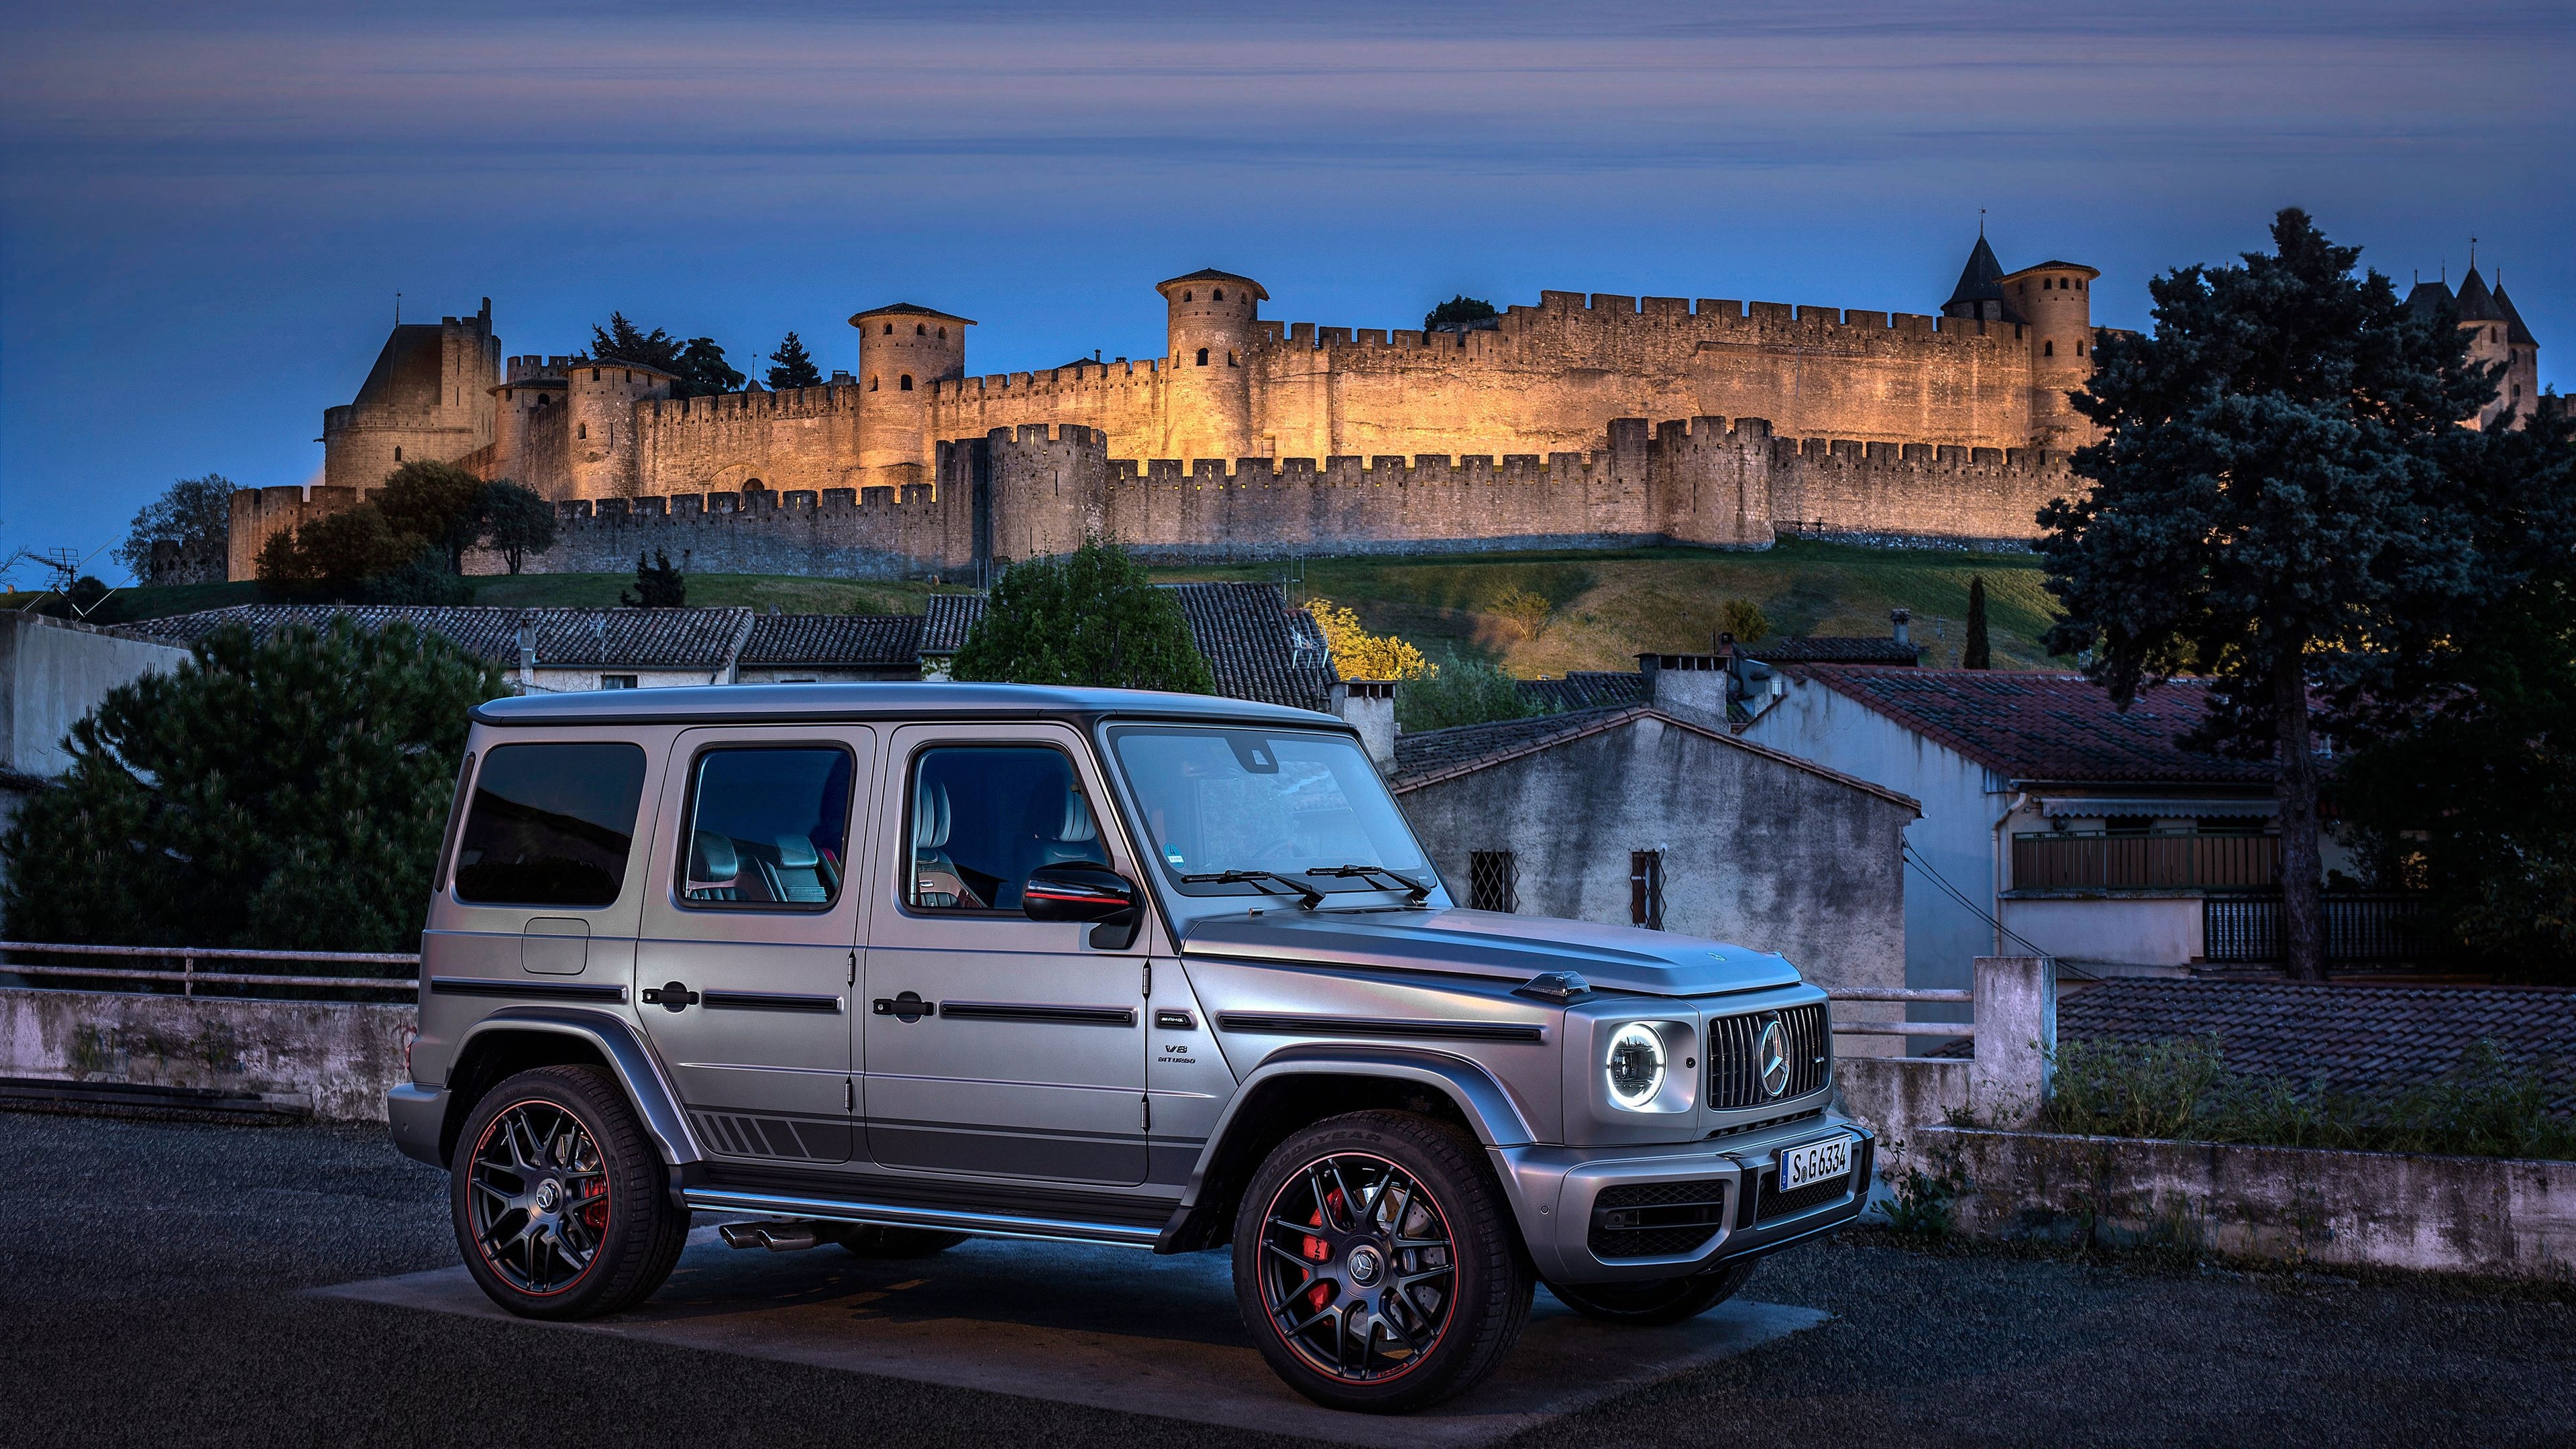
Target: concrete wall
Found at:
336, 1059
2507, 1218
1757, 851
2161, 931
52, 673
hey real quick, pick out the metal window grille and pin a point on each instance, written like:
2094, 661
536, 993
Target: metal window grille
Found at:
1646, 888
1493, 881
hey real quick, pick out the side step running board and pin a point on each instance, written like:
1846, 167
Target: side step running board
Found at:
844, 1210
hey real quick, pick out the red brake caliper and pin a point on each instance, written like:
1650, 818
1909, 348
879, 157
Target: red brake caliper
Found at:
594, 1211
1318, 1250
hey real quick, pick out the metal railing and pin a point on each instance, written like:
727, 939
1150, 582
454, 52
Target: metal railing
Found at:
188, 978
1947, 996
2151, 860
2360, 930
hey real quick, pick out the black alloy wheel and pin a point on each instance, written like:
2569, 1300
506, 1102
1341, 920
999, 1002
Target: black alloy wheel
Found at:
1376, 1264
558, 1198
1656, 1301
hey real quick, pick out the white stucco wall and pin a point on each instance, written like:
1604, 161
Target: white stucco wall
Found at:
52, 673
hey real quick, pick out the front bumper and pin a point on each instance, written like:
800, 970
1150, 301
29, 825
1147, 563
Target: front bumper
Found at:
1679, 1209
418, 1116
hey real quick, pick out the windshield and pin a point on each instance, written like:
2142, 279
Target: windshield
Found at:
1219, 800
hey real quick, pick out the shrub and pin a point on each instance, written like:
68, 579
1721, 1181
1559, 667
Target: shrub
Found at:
1462, 693
1744, 619
1359, 654
1089, 618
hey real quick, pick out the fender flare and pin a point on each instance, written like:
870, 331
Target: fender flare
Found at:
1490, 1111
647, 1090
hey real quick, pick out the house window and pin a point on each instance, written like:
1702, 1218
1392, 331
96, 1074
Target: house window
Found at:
1646, 889
905, 383
617, 681
1202, 357
2079, 349
1493, 881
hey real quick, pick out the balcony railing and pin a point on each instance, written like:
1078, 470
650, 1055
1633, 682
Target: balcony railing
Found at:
2383, 930
2151, 860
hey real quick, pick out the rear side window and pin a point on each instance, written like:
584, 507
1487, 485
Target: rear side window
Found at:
768, 828
551, 825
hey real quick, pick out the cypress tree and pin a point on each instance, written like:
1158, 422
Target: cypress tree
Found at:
1978, 654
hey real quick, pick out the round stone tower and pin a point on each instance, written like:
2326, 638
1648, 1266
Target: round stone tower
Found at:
1207, 399
903, 349
2054, 301
599, 396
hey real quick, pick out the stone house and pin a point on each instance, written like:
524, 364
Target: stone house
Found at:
1652, 814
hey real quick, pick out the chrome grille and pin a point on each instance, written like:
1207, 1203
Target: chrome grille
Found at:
1734, 1056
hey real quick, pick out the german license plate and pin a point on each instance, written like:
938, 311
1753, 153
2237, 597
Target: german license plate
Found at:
1815, 1162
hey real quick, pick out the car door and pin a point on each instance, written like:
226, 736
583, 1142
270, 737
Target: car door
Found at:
748, 954
995, 1044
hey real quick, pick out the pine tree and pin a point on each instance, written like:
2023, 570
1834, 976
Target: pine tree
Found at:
1090, 618
287, 793
1979, 653
2283, 501
658, 586
794, 367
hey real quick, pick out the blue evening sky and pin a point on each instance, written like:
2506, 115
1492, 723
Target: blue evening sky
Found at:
206, 210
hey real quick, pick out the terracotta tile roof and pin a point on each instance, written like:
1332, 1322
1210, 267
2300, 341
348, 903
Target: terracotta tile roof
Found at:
645, 638
2358, 1039
1588, 689
2031, 725
882, 639
1255, 645
1431, 756
1258, 647
1833, 649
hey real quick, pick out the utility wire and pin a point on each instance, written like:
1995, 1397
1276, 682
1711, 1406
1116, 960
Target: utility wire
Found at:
1982, 914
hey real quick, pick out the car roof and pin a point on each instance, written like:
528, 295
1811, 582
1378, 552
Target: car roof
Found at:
933, 699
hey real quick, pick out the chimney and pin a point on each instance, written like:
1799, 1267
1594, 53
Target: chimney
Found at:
1368, 705
1687, 686
1901, 618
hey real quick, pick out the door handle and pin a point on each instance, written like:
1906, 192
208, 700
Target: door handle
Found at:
907, 1007
673, 996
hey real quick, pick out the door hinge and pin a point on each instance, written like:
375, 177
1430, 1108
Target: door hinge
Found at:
1145, 1113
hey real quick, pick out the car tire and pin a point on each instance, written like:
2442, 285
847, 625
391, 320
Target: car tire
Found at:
1376, 1263
560, 1203
871, 1241
1656, 1301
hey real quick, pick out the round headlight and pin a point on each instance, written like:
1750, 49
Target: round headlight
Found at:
1634, 1065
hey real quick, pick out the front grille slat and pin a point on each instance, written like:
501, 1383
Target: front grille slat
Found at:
1734, 1059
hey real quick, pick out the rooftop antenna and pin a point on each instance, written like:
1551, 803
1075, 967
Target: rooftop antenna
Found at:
2473, 254
397, 309
1981, 223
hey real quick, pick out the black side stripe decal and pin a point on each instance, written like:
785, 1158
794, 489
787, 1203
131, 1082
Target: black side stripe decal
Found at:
540, 990
767, 1001
1060, 1015
1282, 1024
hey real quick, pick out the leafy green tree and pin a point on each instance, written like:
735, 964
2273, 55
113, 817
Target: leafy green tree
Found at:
697, 366
1461, 692
2283, 500
288, 793
1744, 619
793, 367
517, 522
1458, 313
657, 586
437, 503
1979, 652
337, 554
1089, 618
704, 371
195, 514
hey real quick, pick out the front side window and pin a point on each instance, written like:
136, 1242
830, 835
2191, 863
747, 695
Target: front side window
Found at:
984, 816
767, 827
1218, 800
551, 825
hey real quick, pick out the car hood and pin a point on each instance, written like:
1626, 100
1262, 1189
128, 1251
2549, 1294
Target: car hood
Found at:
1490, 944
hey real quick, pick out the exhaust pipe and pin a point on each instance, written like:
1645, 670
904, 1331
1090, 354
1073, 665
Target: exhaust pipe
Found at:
776, 1237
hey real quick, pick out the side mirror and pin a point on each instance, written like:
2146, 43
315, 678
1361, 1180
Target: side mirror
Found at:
1082, 892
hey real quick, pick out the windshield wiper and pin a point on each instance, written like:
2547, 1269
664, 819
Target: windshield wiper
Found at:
1307, 896
1414, 888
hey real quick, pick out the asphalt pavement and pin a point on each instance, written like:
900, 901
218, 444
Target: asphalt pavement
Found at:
152, 1292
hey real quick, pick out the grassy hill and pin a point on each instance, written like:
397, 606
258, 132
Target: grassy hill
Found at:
1608, 606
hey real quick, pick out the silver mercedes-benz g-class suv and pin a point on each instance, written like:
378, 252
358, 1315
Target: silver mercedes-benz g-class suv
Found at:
888, 965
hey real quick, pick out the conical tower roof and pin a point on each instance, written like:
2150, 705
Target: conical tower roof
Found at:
2514, 332
2426, 296
2477, 304
1980, 280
